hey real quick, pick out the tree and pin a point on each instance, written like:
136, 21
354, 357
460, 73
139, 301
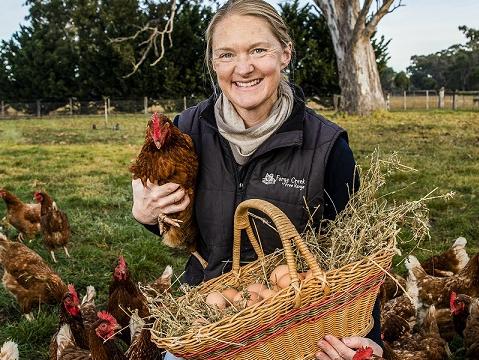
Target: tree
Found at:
401, 81
351, 27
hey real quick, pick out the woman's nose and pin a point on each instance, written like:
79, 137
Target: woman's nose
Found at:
244, 65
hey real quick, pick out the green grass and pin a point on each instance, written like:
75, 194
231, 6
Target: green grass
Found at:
86, 171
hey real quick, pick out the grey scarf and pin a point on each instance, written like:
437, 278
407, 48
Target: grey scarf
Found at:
243, 141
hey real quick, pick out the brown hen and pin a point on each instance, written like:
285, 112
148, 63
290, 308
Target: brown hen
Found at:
55, 226
28, 277
449, 262
24, 217
168, 156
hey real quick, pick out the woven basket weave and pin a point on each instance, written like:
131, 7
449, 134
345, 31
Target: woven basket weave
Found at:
289, 325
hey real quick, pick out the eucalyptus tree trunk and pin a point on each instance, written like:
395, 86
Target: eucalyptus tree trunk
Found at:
361, 91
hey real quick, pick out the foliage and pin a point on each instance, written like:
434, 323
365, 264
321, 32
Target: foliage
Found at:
86, 172
456, 67
401, 81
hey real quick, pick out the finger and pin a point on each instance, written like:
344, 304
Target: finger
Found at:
322, 356
172, 198
166, 189
178, 206
344, 351
329, 350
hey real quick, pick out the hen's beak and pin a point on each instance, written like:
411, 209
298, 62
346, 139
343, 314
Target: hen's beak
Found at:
158, 144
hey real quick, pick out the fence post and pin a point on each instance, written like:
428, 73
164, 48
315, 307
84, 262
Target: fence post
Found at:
145, 104
71, 106
336, 99
388, 102
404, 101
184, 102
39, 109
441, 98
3, 109
427, 99
106, 112
454, 100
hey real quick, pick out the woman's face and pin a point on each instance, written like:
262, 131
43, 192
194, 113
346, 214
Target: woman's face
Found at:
248, 60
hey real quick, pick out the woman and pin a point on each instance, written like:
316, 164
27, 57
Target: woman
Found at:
256, 139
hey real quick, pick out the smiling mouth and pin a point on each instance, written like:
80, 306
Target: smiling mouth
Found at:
248, 84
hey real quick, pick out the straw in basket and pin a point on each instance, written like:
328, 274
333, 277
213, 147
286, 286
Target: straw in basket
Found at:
288, 325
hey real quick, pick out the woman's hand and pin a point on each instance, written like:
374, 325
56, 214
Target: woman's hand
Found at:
334, 349
152, 200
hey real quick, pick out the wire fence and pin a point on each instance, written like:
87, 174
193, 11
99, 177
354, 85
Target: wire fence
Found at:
407, 100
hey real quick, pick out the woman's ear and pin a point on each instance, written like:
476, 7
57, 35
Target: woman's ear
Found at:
286, 56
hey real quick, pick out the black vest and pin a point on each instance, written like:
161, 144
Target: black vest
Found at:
287, 169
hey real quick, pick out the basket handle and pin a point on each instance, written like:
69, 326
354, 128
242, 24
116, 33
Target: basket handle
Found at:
287, 232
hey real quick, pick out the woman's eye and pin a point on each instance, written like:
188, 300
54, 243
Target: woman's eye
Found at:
226, 56
258, 51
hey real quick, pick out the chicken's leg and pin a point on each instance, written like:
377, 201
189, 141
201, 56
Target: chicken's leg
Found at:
53, 256
66, 251
20, 237
163, 219
29, 316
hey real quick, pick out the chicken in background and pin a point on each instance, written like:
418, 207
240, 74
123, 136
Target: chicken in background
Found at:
471, 331
142, 348
55, 227
9, 351
27, 277
168, 156
450, 262
390, 288
426, 344
437, 290
24, 217
124, 297
459, 305
70, 314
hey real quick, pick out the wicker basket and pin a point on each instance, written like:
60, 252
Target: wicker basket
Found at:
289, 325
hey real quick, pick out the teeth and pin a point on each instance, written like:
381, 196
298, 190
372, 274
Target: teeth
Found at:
247, 84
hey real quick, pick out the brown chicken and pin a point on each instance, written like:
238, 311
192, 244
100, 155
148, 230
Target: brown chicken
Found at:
426, 344
101, 334
55, 226
70, 314
459, 305
450, 262
28, 277
390, 289
125, 297
9, 351
471, 331
24, 217
437, 290
168, 156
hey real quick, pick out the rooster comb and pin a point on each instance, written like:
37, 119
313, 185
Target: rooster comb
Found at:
453, 298
72, 291
121, 261
106, 316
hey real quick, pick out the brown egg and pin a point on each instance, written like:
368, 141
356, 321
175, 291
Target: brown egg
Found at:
256, 287
229, 294
284, 281
215, 298
267, 293
253, 298
278, 273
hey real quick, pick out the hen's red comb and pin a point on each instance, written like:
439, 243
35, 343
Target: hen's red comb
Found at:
72, 291
364, 353
121, 261
452, 300
106, 316
156, 125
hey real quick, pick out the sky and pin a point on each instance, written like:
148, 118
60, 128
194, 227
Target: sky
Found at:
420, 27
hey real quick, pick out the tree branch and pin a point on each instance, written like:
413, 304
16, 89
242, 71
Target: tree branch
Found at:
383, 10
157, 35
361, 21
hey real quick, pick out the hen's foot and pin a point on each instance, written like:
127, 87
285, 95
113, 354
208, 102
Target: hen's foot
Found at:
53, 256
66, 251
163, 219
20, 237
29, 317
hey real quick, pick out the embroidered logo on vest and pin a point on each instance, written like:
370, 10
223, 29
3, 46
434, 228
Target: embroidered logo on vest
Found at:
289, 182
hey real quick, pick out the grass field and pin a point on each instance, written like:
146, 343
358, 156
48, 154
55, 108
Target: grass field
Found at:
86, 171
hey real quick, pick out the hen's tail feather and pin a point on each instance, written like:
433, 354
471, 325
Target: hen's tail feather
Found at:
90, 295
9, 351
414, 268
430, 324
3, 244
64, 339
459, 248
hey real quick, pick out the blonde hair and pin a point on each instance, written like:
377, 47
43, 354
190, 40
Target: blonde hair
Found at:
257, 8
